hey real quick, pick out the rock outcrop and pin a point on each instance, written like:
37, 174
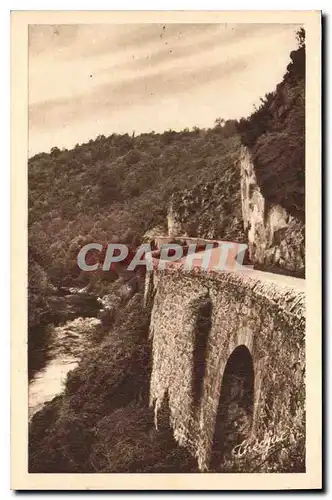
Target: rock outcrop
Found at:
276, 239
211, 210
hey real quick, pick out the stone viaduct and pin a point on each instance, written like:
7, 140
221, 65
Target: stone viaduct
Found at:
229, 346
209, 326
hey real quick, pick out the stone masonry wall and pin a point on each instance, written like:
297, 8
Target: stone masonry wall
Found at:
266, 317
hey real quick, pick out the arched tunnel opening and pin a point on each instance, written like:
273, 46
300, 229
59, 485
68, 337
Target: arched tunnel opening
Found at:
235, 408
201, 335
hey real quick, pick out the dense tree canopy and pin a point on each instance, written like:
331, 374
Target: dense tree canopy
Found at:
116, 188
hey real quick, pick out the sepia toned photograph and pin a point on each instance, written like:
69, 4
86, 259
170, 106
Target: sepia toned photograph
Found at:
166, 249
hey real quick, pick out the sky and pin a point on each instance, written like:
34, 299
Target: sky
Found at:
92, 79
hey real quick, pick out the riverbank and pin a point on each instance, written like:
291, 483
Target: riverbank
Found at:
66, 346
102, 422
63, 305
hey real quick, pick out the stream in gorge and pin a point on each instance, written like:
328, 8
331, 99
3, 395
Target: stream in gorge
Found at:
65, 346
81, 328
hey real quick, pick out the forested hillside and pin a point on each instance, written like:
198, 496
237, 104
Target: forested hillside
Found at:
114, 189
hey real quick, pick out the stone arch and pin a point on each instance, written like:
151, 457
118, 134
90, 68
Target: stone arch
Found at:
234, 416
201, 334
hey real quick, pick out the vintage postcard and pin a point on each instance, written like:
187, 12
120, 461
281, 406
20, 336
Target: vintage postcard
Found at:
166, 307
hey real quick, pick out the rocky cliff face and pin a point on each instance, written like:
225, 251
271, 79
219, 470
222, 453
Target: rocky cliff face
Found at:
273, 173
259, 198
276, 239
237, 210
211, 210
275, 136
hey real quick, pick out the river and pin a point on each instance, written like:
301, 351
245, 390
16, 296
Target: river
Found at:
66, 348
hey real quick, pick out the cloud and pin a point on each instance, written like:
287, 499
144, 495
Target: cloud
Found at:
128, 92
131, 38
86, 77
173, 49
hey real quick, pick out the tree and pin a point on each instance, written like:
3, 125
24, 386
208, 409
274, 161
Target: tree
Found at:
300, 37
219, 122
